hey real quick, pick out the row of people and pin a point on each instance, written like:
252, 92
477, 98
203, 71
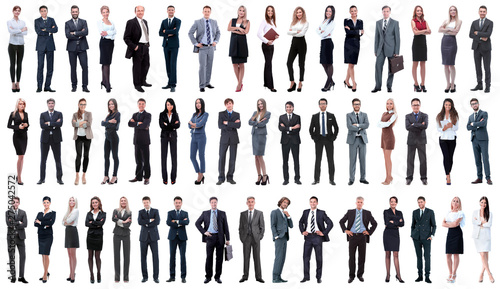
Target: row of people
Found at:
205, 35
323, 130
358, 224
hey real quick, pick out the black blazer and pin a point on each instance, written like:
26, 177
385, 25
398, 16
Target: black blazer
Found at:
169, 130
125, 230
45, 227
353, 31
132, 35
350, 216
423, 228
332, 129
177, 228
484, 32
95, 227
79, 39
15, 120
229, 132
416, 130
13, 222
221, 225
321, 220
288, 135
149, 228
175, 26
45, 39
390, 216
53, 126
141, 132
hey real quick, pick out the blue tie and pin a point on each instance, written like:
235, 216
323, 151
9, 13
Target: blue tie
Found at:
177, 215
416, 116
209, 38
323, 124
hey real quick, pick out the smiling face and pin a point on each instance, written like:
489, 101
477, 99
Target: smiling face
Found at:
356, 106
72, 202
207, 12
299, 14
447, 106
251, 203
270, 12
139, 12
16, 12
284, 204
146, 204
51, 105
229, 106
46, 204
289, 108
82, 105
16, 204
123, 203
482, 204
177, 204
241, 12
393, 203
170, 12
95, 205
213, 204
43, 12
322, 105
260, 105
419, 12
415, 106
328, 13
111, 105
359, 204
455, 204
389, 105
141, 105
475, 105
354, 12
75, 12
386, 13
482, 13
169, 106
421, 204
313, 203
453, 11
20, 106
105, 13
198, 104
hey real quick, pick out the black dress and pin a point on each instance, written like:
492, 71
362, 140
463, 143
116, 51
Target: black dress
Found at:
238, 48
95, 232
351, 44
20, 137
391, 232
45, 233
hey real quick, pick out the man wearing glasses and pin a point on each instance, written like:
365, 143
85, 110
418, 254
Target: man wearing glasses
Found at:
416, 123
357, 123
479, 137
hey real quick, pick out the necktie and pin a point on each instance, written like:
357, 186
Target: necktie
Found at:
313, 227
214, 222
50, 114
475, 116
169, 22
323, 124
250, 223
289, 117
145, 30
45, 21
230, 114
416, 116
177, 214
148, 214
15, 215
357, 222
481, 24
357, 117
385, 25
421, 213
76, 22
209, 37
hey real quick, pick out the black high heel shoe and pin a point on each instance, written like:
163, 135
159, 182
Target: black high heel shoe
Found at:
92, 278
354, 89
388, 278
345, 84
263, 183
98, 277
454, 88
201, 181
399, 279
331, 85
447, 89
105, 181
299, 89
416, 88
259, 180
294, 86
422, 87
112, 183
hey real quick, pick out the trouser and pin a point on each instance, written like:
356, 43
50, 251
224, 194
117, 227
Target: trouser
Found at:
213, 243
298, 47
21, 247
173, 156
117, 241
285, 149
410, 162
111, 145
328, 145
379, 67
357, 146
82, 143
313, 241
144, 253
171, 64
279, 256
248, 246
485, 55
198, 143
82, 57
357, 242
426, 245
480, 148
222, 160
448, 149
142, 169
140, 64
206, 59
268, 51
16, 54
56, 151
50, 68
173, 251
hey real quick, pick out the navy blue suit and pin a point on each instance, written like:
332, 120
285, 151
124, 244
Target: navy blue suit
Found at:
177, 237
45, 47
149, 237
479, 138
51, 138
170, 34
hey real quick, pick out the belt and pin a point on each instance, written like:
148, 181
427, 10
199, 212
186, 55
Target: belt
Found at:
357, 234
207, 44
145, 44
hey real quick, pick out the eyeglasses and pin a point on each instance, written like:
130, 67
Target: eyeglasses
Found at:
474, 103
356, 104
82, 104
415, 105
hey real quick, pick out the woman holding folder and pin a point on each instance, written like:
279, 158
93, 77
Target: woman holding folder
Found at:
267, 34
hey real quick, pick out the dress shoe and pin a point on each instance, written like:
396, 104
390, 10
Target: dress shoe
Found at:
424, 182
486, 90
419, 279
202, 89
350, 183
350, 280
20, 183
273, 90
477, 181
232, 182
315, 183
298, 182
157, 281
219, 183
73, 89
408, 182
22, 280
349, 86
276, 281
13, 280
427, 280
294, 86
60, 182
144, 280
201, 181
333, 183
387, 278
134, 180
479, 86
209, 86
375, 90
39, 89
243, 280
304, 280
218, 281
172, 89
283, 281
364, 182
146, 84
319, 281
139, 89
454, 88
285, 183
489, 182
85, 89
422, 87
260, 280
48, 89
167, 87
183, 280
361, 279
399, 279
172, 182
146, 181
389, 89
171, 279
206, 280
40, 182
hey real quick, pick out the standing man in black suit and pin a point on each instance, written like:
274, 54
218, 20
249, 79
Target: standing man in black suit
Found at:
416, 124
251, 230
360, 225
478, 121
136, 36
215, 233
177, 220
480, 32
229, 122
140, 122
423, 228
315, 226
323, 131
289, 125
45, 27
169, 30
76, 32
51, 138
357, 124
149, 219
16, 222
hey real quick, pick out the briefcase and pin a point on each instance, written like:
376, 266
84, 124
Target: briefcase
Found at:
228, 252
396, 64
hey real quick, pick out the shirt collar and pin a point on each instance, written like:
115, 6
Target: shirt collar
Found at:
391, 111
361, 211
139, 19
44, 19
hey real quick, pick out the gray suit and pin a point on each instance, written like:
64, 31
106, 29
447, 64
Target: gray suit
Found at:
16, 232
121, 234
479, 138
250, 236
482, 49
279, 227
386, 45
357, 140
417, 140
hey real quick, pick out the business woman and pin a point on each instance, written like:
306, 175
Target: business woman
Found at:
198, 139
44, 221
238, 48
258, 122
325, 32
482, 220
169, 123
388, 140
420, 29
298, 29
19, 123
393, 220
71, 240
17, 29
107, 31
267, 24
353, 31
111, 123
95, 219
82, 135
454, 221
447, 126
450, 29
122, 216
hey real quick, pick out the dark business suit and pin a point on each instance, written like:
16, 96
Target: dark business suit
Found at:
216, 241
171, 47
177, 238
290, 140
45, 232
45, 47
358, 240
251, 232
15, 237
51, 138
479, 138
95, 232
121, 234
77, 48
141, 142
149, 237
417, 139
482, 49
324, 139
312, 240
423, 227
279, 227
228, 139
169, 136
140, 61
357, 140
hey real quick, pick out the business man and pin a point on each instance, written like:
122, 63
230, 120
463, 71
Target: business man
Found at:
149, 219
45, 27
479, 136
416, 124
360, 226
251, 230
207, 37
357, 124
51, 138
76, 32
140, 121
229, 122
423, 228
212, 224
280, 222
169, 30
289, 125
177, 220
16, 222
136, 36
315, 226
386, 46
480, 32
323, 131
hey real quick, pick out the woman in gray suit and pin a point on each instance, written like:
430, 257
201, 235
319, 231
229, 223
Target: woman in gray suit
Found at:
258, 122
82, 122
481, 233
122, 216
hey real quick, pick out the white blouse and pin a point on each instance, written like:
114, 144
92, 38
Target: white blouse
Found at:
453, 216
110, 29
263, 29
81, 130
327, 28
16, 35
72, 217
384, 124
448, 134
299, 26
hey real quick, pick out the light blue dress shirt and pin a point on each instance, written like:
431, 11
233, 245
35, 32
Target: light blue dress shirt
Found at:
110, 29
211, 229
16, 35
204, 40
362, 227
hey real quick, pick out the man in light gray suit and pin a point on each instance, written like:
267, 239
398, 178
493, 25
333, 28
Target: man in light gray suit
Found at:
251, 230
16, 222
386, 45
207, 36
357, 123
416, 124
280, 222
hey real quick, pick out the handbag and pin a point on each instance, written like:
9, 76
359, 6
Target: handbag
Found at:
396, 64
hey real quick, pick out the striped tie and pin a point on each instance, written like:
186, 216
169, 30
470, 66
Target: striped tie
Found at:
214, 222
357, 222
385, 25
209, 38
313, 220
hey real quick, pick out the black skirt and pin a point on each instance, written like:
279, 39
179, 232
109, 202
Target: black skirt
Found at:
94, 242
351, 50
106, 46
238, 48
391, 240
20, 141
419, 48
455, 241
71, 239
326, 51
44, 244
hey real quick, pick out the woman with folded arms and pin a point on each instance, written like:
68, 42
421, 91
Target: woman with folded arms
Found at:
420, 28
107, 31
198, 139
44, 221
393, 220
111, 123
238, 48
82, 122
454, 221
447, 126
94, 221
122, 216
481, 233
298, 29
169, 123
19, 123
71, 240
258, 122
388, 140
353, 32
450, 29
268, 46
17, 29
325, 31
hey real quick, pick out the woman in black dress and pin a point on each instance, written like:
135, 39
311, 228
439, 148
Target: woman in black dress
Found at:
420, 28
393, 220
111, 123
44, 221
169, 123
107, 31
95, 220
238, 48
19, 123
353, 32
325, 31
71, 239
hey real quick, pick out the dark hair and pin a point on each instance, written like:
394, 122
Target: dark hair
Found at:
453, 113
333, 13
16, 198
146, 198
46, 198
283, 199
51, 99
141, 99
79, 112
75, 7
116, 106
171, 101
43, 6
322, 99
386, 6
352, 6
268, 20
213, 198
486, 209
356, 99
228, 100
473, 99
415, 99
16, 7
313, 197
289, 103
100, 204
484, 7
421, 198
171, 6
395, 198
178, 198
202, 109
206, 6
415, 13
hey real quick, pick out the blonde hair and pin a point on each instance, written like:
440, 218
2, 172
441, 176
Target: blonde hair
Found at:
245, 16
459, 203
260, 112
294, 17
127, 209
68, 212
104, 8
448, 21
16, 109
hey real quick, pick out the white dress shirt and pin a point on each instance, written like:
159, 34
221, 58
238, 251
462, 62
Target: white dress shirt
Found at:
327, 28
384, 124
110, 29
263, 29
81, 130
72, 217
309, 221
299, 26
143, 33
16, 35
448, 134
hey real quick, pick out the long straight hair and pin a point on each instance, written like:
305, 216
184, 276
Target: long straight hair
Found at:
79, 113
244, 19
271, 20
127, 209
486, 209
260, 112
453, 112
295, 19
17, 106
202, 109
172, 102
448, 21
116, 106
69, 208
333, 13
415, 13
